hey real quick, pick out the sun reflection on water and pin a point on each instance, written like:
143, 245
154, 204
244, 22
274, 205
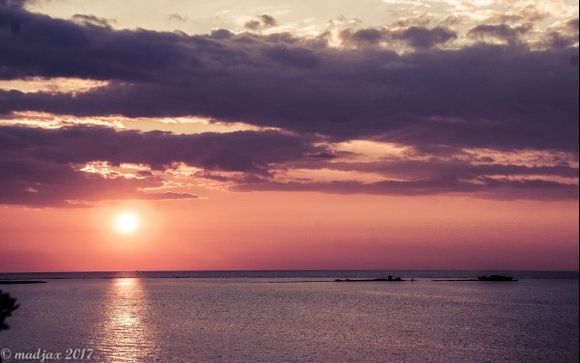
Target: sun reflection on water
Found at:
125, 334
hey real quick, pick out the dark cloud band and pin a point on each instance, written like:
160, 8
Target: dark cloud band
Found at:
486, 95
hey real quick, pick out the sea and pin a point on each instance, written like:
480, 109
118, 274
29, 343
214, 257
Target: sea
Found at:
292, 316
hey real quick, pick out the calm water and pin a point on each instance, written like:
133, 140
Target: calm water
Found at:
293, 317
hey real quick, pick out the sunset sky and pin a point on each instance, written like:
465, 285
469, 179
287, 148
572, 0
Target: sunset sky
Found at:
269, 134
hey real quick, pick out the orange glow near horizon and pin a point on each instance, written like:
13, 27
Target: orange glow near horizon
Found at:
278, 230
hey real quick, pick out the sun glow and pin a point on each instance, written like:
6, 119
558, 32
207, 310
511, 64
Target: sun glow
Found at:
127, 222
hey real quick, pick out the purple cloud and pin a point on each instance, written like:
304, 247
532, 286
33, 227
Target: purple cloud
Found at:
501, 97
487, 95
40, 166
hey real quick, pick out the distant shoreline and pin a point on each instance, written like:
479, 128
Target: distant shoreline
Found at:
289, 275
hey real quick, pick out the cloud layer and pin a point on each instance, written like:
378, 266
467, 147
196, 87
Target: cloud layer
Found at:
497, 92
45, 166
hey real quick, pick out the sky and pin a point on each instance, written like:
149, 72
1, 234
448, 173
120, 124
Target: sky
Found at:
372, 134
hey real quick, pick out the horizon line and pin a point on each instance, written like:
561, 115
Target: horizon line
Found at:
283, 270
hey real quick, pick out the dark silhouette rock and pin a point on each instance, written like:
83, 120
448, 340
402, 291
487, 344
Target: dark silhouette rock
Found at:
7, 306
495, 278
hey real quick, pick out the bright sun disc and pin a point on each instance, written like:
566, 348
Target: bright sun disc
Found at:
127, 222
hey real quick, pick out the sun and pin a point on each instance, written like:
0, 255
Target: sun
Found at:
127, 222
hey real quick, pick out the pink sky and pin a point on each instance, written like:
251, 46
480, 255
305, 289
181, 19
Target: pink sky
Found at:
265, 230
